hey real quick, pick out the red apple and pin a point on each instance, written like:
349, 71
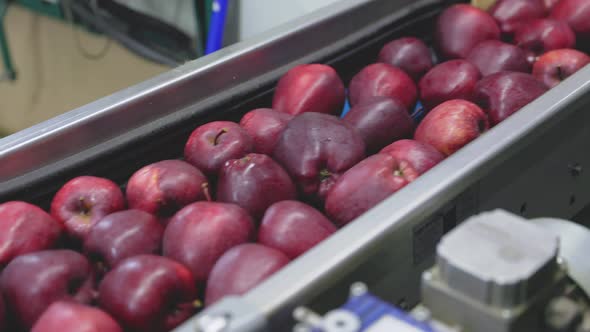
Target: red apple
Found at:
83, 201
543, 35
65, 316
409, 54
577, 14
461, 27
493, 56
315, 149
25, 228
242, 268
265, 126
365, 185
420, 156
293, 228
502, 94
32, 282
511, 14
380, 121
549, 4
254, 182
148, 293
201, 232
165, 187
381, 79
214, 143
122, 235
453, 79
557, 65
309, 88
451, 125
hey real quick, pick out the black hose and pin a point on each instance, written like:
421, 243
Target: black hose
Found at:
87, 16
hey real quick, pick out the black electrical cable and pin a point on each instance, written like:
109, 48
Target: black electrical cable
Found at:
85, 53
89, 17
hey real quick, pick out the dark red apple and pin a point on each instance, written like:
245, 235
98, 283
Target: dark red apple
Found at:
577, 14
242, 268
201, 232
83, 201
543, 35
122, 235
32, 282
381, 79
214, 143
380, 121
454, 79
549, 4
420, 156
502, 94
461, 27
511, 14
165, 187
65, 316
409, 54
254, 182
25, 228
451, 125
148, 293
365, 185
293, 228
315, 149
492, 56
265, 126
557, 65
309, 88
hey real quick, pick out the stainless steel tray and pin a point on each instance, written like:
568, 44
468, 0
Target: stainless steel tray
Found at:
533, 163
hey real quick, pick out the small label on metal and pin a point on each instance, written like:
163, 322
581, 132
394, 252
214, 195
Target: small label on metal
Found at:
425, 237
390, 324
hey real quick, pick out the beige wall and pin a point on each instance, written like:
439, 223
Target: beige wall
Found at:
53, 76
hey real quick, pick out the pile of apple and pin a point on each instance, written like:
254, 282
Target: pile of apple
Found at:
250, 197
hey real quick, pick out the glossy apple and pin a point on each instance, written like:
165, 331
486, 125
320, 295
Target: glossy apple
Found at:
543, 35
461, 27
557, 65
32, 282
254, 182
502, 94
242, 268
380, 121
293, 228
420, 156
381, 79
25, 228
309, 88
365, 185
511, 14
148, 293
451, 125
493, 56
122, 235
66, 316
214, 143
409, 54
265, 126
576, 13
201, 232
83, 201
454, 79
165, 187
315, 149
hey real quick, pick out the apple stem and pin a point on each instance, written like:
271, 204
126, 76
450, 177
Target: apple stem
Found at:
205, 187
325, 174
218, 136
197, 303
560, 73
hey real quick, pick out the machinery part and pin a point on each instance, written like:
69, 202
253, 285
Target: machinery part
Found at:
9, 72
563, 314
493, 273
574, 248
